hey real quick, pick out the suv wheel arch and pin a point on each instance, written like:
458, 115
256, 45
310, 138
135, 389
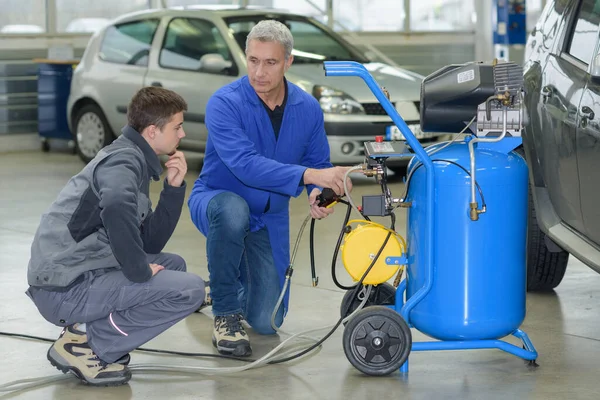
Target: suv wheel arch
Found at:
546, 261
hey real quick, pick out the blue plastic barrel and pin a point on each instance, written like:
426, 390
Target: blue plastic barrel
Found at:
479, 276
54, 86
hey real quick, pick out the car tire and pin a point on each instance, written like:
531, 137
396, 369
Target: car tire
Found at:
545, 268
91, 132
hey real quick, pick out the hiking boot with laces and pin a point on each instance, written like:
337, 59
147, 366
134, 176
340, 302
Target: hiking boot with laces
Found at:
71, 334
207, 299
229, 336
79, 358
125, 360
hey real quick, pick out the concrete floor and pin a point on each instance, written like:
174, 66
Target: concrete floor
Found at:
564, 326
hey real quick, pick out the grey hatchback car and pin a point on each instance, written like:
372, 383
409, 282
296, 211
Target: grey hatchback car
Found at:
195, 51
562, 140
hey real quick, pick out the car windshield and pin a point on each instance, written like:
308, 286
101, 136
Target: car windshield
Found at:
312, 43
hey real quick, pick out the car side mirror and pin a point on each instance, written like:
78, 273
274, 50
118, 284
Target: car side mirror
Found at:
595, 72
213, 63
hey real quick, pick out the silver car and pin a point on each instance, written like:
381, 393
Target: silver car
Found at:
195, 51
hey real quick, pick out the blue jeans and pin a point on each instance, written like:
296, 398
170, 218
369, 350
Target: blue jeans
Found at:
243, 277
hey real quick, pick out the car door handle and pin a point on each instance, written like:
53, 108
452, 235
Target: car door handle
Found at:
588, 112
156, 83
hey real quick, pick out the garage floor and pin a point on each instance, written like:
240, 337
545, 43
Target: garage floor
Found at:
564, 326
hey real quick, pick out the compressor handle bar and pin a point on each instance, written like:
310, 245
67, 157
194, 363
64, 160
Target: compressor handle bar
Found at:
352, 68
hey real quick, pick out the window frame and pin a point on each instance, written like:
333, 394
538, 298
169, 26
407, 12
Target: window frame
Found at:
231, 71
353, 50
104, 35
572, 16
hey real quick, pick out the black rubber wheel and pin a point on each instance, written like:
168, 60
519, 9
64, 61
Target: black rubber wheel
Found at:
545, 268
377, 341
91, 132
381, 295
45, 145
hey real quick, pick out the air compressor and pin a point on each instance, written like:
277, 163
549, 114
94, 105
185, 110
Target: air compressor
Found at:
464, 257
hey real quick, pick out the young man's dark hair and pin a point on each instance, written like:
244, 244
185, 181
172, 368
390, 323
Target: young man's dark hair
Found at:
97, 267
153, 106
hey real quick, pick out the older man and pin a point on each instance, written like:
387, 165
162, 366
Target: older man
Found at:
266, 142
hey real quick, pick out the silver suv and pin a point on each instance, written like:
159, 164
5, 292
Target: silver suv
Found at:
195, 51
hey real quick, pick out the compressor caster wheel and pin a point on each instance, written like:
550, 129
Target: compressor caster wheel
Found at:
381, 295
377, 341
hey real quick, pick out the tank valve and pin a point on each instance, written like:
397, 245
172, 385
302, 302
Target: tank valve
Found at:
403, 204
475, 212
474, 215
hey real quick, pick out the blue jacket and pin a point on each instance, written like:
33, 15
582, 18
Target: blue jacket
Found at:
242, 156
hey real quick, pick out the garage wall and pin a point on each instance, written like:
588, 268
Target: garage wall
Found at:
422, 53
18, 97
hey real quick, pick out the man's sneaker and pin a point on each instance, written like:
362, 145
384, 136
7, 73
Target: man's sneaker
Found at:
71, 334
87, 366
229, 336
207, 299
125, 360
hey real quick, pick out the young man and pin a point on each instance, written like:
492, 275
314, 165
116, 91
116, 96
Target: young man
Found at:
266, 141
96, 265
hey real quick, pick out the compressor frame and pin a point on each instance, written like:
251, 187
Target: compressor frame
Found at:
528, 351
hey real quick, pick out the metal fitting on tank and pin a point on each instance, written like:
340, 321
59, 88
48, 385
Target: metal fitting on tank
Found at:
371, 170
400, 203
474, 212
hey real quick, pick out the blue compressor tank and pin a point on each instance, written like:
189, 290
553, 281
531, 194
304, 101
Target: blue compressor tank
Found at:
479, 272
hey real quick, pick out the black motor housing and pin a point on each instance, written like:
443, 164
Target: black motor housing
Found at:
450, 96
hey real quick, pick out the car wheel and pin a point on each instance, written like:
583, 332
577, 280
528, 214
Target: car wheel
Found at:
545, 268
92, 132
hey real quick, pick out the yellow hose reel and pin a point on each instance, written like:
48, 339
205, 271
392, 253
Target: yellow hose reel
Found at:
362, 244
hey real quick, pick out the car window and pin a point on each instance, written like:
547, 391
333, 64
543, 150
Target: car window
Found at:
311, 43
584, 34
187, 40
129, 43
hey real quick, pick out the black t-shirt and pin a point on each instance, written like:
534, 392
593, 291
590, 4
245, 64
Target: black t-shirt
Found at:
276, 115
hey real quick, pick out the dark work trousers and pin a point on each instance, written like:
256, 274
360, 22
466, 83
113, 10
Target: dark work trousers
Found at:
121, 315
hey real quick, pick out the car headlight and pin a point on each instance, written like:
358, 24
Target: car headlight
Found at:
335, 101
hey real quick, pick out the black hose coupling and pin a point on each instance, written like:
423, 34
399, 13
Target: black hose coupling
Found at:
289, 271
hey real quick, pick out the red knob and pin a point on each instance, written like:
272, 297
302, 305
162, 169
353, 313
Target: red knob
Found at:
379, 139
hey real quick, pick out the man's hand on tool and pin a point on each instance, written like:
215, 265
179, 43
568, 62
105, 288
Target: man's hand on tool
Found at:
155, 268
315, 211
176, 169
329, 177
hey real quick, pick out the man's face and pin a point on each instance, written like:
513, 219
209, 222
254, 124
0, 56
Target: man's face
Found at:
167, 139
266, 65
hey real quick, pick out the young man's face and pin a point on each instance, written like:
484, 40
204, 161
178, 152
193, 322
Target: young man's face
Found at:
167, 139
266, 65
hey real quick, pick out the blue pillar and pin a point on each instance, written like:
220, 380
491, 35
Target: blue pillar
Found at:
509, 25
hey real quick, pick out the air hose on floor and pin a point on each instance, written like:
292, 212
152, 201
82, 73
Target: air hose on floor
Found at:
273, 357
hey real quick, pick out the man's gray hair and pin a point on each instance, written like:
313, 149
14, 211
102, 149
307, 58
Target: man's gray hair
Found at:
272, 31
